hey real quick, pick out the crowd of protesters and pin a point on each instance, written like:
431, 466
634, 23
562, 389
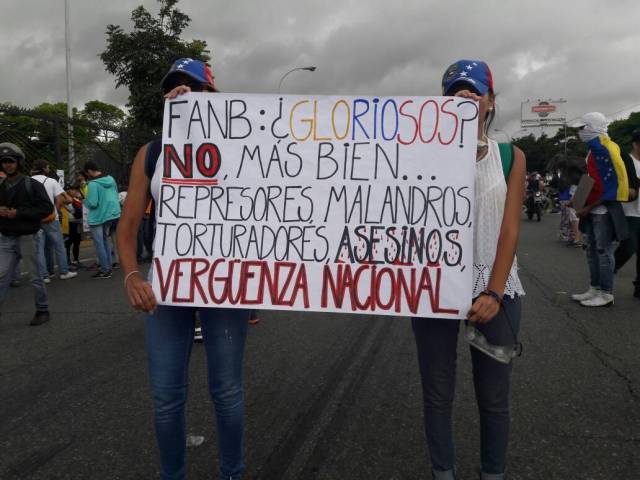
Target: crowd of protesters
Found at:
607, 224
42, 225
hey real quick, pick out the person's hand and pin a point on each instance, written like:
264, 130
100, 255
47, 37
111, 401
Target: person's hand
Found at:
483, 309
140, 293
583, 212
468, 94
179, 90
7, 212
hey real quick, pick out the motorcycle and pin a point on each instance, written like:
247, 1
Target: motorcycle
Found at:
535, 205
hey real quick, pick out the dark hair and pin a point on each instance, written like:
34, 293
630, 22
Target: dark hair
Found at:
491, 114
39, 165
635, 136
90, 166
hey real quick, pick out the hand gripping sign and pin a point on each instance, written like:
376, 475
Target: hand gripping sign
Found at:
319, 203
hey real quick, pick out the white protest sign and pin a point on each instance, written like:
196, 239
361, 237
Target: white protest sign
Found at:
319, 203
60, 174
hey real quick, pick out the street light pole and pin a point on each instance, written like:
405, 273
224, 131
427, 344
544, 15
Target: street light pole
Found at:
309, 69
67, 42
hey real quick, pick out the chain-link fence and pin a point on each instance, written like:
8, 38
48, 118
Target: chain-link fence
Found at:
43, 136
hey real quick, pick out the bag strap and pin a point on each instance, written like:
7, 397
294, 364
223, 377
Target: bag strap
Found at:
27, 185
154, 148
506, 157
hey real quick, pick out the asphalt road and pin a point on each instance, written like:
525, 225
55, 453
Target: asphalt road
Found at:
328, 396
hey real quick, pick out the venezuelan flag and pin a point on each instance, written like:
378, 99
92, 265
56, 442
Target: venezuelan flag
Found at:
606, 167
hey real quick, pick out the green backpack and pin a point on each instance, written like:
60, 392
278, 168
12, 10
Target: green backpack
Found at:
506, 157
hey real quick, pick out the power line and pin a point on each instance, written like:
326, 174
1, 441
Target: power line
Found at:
610, 114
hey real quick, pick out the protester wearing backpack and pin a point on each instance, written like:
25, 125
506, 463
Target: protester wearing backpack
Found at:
23, 205
170, 329
51, 229
496, 309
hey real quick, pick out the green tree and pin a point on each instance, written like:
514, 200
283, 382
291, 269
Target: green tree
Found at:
104, 115
41, 129
139, 59
620, 130
543, 152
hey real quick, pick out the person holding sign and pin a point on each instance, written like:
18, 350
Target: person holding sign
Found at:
170, 329
495, 312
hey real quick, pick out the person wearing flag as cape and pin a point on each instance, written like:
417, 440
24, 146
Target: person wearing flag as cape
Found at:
602, 220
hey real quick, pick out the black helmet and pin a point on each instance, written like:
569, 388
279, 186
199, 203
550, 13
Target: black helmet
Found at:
11, 150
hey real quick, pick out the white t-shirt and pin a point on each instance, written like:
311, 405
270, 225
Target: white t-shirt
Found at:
52, 187
632, 209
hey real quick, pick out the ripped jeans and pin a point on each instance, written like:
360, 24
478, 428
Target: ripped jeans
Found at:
169, 333
599, 232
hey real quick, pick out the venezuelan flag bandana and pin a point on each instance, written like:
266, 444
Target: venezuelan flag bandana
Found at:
606, 167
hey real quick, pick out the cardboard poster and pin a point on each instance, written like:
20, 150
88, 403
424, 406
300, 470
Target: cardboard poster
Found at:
317, 203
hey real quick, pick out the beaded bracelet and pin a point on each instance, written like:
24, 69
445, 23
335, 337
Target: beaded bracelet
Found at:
493, 295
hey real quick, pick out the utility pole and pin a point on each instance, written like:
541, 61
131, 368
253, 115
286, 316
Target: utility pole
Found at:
67, 43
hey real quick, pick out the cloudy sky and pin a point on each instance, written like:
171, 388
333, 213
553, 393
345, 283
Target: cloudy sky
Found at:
585, 51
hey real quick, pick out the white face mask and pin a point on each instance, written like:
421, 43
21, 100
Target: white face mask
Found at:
588, 133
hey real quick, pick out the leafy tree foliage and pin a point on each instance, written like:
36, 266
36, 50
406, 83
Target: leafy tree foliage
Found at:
545, 153
140, 58
620, 130
103, 114
42, 130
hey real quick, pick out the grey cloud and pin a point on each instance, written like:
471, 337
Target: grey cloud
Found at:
580, 50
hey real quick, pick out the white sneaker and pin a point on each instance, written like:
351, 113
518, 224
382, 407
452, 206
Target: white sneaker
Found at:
68, 275
581, 297
46, 279
603, 299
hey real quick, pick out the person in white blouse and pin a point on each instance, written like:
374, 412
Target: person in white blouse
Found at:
497, 290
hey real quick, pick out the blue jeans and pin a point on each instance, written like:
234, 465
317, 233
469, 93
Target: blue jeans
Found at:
100, 235
437, 341
52, 233
599, 232
11, 250
169, 333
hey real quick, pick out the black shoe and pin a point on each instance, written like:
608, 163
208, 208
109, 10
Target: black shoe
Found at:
39, 318
15, 284
636, 291
100, 274
116, 265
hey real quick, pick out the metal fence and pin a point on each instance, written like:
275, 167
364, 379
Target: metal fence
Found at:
43, 136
